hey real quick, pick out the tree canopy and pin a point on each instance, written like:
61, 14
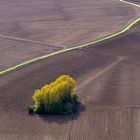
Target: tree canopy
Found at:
56, 98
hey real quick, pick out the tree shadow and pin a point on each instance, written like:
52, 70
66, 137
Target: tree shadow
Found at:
63, 119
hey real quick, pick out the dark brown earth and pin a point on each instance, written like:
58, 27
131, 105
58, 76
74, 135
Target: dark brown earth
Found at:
61, 22
31, 28
134, 1
108, 77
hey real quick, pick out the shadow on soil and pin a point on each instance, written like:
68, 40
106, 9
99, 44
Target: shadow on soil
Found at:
60, 119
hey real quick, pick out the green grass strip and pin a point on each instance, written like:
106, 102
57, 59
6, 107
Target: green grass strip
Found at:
122, 31
130, 3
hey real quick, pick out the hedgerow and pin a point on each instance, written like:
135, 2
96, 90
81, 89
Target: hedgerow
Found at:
58, 97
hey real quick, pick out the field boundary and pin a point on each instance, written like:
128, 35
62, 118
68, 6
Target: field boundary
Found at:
108, 37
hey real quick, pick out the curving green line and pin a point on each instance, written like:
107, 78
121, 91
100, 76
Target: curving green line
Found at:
134, 4
127, 28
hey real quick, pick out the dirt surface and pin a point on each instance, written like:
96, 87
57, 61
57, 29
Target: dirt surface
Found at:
108, 87
61, 22
14, 52
135, 1
31, 28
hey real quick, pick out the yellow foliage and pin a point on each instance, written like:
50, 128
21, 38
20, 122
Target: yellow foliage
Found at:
50, 97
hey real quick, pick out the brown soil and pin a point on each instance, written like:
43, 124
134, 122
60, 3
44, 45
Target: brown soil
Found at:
61, 22
31, 28
108, 87
135, 1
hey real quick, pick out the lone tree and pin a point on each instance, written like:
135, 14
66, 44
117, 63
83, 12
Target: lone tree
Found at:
58, 97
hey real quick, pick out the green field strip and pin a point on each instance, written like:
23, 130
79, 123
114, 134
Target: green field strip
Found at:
122, 31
